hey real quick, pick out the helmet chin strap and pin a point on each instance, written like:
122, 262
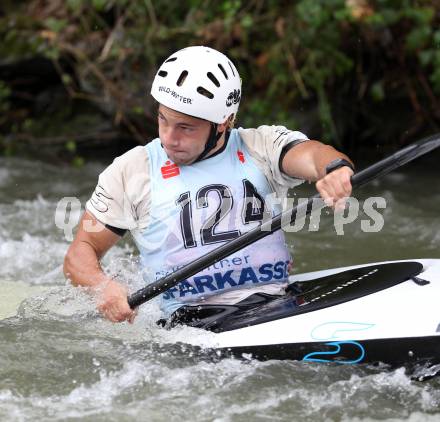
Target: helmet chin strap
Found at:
211, 143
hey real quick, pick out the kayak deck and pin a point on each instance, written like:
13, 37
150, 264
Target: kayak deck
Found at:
382, 312
302, 297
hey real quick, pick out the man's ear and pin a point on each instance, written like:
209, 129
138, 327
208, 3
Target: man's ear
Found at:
228, 123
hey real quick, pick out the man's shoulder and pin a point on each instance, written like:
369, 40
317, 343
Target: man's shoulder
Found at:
123, 190
133, 161
267, 142
269, 132
258, 140
132, 156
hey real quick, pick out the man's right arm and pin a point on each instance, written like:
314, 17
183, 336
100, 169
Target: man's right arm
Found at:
82, 266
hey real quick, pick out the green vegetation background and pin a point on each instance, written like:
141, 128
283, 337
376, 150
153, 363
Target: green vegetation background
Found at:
75, 74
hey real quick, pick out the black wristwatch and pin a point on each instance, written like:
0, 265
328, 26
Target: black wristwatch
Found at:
336, 164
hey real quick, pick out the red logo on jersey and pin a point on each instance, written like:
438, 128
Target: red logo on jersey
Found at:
169, 170
240, 156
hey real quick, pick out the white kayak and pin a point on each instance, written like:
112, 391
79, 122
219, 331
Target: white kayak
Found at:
382, 312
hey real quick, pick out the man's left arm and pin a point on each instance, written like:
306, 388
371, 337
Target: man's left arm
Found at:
315, 161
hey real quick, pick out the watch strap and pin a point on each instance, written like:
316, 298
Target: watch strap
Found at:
338, 163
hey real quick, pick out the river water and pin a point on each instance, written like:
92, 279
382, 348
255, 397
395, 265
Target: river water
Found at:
60, 361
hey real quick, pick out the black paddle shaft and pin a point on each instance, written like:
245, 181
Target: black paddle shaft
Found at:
374, 171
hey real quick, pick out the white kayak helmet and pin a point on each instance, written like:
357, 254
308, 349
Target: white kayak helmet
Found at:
200, 82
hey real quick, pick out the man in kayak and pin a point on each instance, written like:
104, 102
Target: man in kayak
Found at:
198, 185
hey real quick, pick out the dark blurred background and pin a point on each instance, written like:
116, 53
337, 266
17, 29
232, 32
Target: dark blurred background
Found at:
363, 75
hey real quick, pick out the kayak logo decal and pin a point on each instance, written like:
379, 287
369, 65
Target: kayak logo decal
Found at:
356, 349
331, 330
343, 351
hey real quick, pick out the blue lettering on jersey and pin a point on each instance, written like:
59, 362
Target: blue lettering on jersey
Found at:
206, 283
222, 279
185, 287
247, 274
265, 269
278, 269
203, 281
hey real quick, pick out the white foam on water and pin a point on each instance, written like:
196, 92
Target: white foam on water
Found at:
35, 217
158, 386
30, 249
102, 393
68, 303
273, 388
30, 258
387, 394
82, 401
10, 408
154, 378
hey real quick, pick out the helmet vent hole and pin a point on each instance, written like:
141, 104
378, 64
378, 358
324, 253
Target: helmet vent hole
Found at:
172, 59
205, 92
223, 70
162, 73
230, 65
213, 79
182, 78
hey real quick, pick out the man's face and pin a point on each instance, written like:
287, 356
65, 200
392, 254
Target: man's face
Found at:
183, 137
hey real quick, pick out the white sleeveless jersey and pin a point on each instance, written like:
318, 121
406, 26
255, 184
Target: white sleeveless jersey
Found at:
195, 209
